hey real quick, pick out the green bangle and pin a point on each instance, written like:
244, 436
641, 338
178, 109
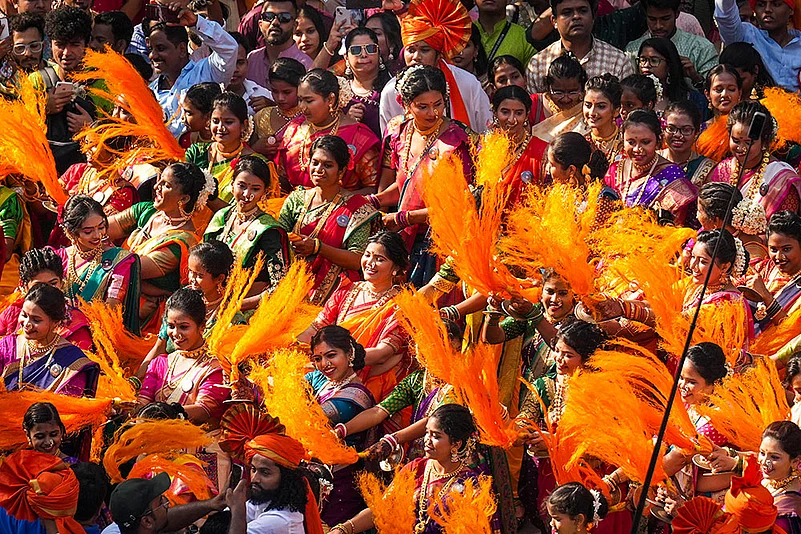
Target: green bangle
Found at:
536, 314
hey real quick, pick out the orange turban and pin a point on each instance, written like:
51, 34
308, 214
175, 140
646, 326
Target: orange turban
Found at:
35, 485
795, 5
702, 515
443, 24
750, 502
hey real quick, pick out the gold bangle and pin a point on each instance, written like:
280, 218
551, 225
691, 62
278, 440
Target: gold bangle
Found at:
325, 47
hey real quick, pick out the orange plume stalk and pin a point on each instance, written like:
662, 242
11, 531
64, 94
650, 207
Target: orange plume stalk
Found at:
106, 355
423, 323
289, 397
127, 89
24, 148
466, 512
393, 505
124, 352
187, 469
635, 231
76, 413
744, 404
149, 437
551, 229
280, 317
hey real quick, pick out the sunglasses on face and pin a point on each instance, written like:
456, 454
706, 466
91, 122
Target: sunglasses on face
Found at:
33, 47
283, 18
369, 49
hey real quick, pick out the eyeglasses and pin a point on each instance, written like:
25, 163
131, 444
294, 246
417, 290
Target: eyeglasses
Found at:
33, 48
650, 61
283, 18
684, 131
369, 49
164, 503
562, 94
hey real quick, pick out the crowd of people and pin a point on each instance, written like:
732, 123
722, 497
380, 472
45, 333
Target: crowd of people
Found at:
434, 267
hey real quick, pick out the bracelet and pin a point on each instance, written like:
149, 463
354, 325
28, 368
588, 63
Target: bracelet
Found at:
402, 218
341, 430
536, 314
351, 525
134, 380
325, 47
390, 439
373, 199
344, 527
317, 246
452, 313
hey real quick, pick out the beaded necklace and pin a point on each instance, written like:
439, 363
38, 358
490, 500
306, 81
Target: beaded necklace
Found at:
756, 179
422, 501
94, 257
310, 129
429, 137
777, 486
171, 382
621, 172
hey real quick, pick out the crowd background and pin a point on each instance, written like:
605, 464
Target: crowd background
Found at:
288, 267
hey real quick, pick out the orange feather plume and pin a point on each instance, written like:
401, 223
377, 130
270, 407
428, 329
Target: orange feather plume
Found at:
724, 323
128, 89
289, 397
777, 336
784, 106
424, 325
477, 388
113, 375
551, 229
468, 511
714, 141
24, 148
124, 351
184, 468
76, 413
280, 317
744, 404
393, 505
150, 437
470, 236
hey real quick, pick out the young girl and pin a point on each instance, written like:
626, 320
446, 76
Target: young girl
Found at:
724, 89
572, 160
285, 75
196, 108
682, 127
639, 92
574, 509
230, 129
45, 431
644, 178
601, 109
559, 109
506, 70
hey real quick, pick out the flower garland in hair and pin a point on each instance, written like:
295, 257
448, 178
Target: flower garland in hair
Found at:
596, 506
245, 136
740, 265
657, 86
403, 78
208, 189
749, 217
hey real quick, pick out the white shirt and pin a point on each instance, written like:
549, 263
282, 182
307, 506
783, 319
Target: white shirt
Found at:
263, 521
475, 99
253, 89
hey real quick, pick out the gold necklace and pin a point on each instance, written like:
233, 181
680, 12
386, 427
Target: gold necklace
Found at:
778, 485
293, 113
229, 155
557, 407
630, 182
373, 294
428, 141
422, 503
606, 144
35, 348
756, 179
177, 221
94, 257
309, 130
199, 357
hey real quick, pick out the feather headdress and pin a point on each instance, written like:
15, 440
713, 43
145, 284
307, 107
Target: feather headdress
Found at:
289, 397
76, 413
466, 234
185, 469
468, 511
124, 351
150, 437
551, 229
744, 404
127, 88
24, 148
393, 505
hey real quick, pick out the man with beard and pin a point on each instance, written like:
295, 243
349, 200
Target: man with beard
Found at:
177, 72
277, 24
779, 46
574, 21
27, 34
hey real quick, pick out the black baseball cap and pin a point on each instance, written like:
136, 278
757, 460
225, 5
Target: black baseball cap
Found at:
131, 499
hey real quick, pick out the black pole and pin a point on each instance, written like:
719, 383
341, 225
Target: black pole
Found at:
754, 133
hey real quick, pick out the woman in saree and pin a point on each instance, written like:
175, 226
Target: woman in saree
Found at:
572, 346
17, 236
412, 148
779, 457
161, 233
247, 229
231, 128
327, 224
366, 310
602, 95
747, 219
643, 177
560, 109
775, 279
44, 266
95, 269
775, 185
449, 443
511, 106
190, 376
322, 101
367, 75
682, 128
337, 358
38, 358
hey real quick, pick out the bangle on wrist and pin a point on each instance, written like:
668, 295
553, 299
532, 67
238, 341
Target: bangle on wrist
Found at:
341, 430
327, 51
317, 246
452, 313
390, 439
373, 199
402, 218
